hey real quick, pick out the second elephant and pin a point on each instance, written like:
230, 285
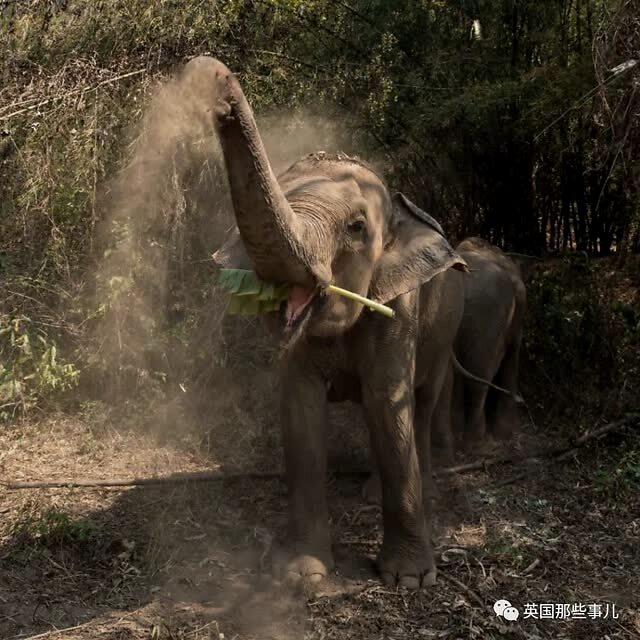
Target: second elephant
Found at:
488, 343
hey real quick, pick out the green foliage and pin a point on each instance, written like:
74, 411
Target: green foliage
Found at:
569, 322
627, 471
53, 528
248, 294
580, 337
251, 296
622, 474
30, 367
458, 120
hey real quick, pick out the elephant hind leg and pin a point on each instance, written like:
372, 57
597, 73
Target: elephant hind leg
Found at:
433, 418
442, 429
502, 412
475, 394
458, 427
475, 397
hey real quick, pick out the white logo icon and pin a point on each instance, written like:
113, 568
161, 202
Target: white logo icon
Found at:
504, 610
511, 613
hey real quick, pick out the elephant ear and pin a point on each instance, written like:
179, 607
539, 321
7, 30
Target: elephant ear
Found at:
524, 263
232, 254
416, 251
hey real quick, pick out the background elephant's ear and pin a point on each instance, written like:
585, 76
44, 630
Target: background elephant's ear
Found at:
415, 252
232, 254
524, 263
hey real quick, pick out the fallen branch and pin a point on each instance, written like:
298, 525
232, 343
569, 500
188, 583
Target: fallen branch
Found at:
220, 476
483, 464
563, 453
206, 476
554, 453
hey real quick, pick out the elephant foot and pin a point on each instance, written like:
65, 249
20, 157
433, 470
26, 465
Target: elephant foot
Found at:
302, 562
372, 490
407, 565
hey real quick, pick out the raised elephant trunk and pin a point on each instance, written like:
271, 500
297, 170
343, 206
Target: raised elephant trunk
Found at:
268, 226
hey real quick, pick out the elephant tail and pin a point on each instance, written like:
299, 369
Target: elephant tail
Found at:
518, 399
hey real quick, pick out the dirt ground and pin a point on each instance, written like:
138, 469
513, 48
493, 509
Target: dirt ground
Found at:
192, 560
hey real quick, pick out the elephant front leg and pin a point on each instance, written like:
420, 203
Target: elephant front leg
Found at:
306, 552
406, 556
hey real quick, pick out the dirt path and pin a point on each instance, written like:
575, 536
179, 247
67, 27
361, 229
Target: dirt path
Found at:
191, 561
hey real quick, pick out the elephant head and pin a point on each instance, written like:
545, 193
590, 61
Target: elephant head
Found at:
328, 219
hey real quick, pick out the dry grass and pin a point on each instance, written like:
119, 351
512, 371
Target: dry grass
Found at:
193, 561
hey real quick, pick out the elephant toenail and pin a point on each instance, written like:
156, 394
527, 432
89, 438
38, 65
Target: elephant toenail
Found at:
409, 582
429, 579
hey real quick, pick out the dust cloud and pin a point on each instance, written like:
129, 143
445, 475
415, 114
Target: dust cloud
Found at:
163, 350
170, 191
288, 136
168, 211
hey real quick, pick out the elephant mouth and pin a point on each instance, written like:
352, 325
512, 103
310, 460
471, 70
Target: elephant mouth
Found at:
295, 314
298, 305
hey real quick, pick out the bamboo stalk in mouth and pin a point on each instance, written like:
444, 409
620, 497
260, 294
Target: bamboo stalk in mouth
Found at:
375, 306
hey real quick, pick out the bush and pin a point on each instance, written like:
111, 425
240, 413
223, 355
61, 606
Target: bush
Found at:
54, 528
456, 120
31, 368
583, 335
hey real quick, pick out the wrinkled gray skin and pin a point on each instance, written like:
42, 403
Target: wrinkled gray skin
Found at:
488, 342
331, 219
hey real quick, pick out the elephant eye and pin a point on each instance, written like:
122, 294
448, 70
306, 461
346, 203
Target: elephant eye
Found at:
357, 227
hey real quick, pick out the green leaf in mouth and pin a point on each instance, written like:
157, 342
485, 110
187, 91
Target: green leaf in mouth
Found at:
251, 296
248, 294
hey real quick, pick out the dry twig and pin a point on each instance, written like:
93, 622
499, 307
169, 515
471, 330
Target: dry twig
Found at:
56, 632
46, 101
562, 453
470, 592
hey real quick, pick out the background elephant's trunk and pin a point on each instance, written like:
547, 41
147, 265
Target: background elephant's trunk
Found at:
267, 224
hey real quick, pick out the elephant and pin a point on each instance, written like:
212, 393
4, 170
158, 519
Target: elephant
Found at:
331, 219
488, 342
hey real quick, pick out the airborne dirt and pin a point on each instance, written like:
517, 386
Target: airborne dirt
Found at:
192, 561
